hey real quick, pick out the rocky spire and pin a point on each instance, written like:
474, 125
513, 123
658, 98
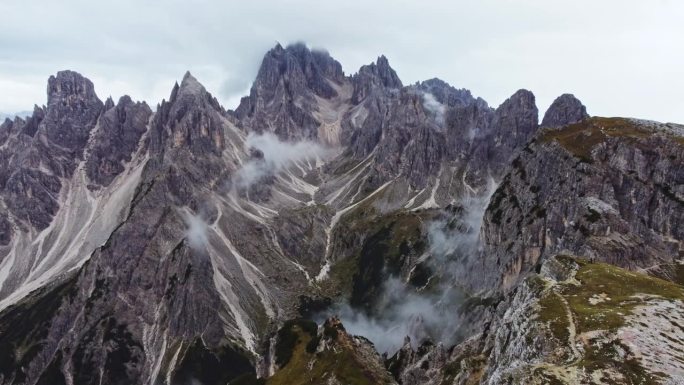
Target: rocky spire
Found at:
109, 103
70, 87
373, 76
517, 116
283, 96
190, 87
513, 124
317, 66
33, 121
121, 127
72, 110
54, 137
292, 72
566, 109
386, 74
192, 118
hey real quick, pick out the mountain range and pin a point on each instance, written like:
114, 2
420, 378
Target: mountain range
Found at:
337, 229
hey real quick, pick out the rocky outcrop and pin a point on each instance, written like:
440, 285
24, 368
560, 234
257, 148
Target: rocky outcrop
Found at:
445, 93
410, 146
514, 124
595, 188
573, 322
580, 322
415, 138
46, 147
192, 120
282, 99
306, 353
566, 109
119, 131
72, 111
374, 77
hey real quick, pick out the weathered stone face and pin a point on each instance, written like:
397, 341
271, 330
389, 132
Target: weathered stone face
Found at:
610, 198
117, 138
375, 77
72, 111
283, 97
566, 109
47, 147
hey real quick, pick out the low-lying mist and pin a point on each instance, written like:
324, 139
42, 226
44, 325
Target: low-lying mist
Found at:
196, 230
270, 155
430, 312
436, 108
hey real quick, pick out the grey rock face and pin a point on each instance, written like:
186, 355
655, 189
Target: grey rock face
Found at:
361, 137
192, 119
494, 137
47, 147
282, 98
515, 123
566, 109
378, 75
6, 129
72, 110
120, 130
5, 230
318, 67
411, 146
446, 94
466, 126
416, 132
612, 199
148, 285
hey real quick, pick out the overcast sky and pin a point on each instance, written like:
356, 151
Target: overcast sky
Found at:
620, 57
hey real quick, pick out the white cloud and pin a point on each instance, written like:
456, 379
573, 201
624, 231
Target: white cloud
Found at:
196, 230
275, 155
436, 108
621, 57
401, 311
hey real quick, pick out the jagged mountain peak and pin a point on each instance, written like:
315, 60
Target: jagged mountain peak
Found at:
66, 85
191, 85
109, 103
290, 83
521, 103
192, 118
72, 110
565, 109
299, 67
445, 93
386, 71
126, 99
370, 77
191, 92
521, 96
